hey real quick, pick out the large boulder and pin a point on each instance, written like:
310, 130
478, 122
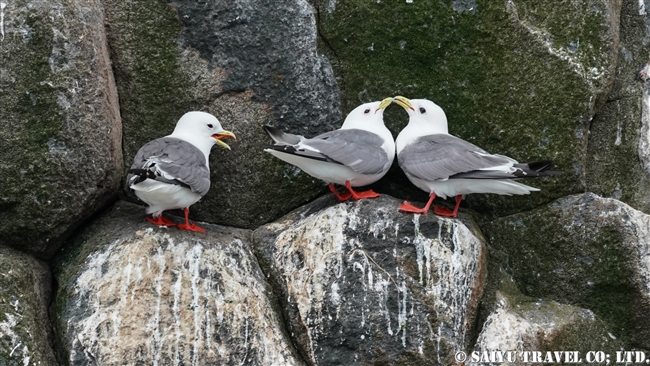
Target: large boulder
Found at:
515, 329
362, 283
25, 292
132, 293
538, 331
618, 154
520, 78
60, 156
249, 63
586, 251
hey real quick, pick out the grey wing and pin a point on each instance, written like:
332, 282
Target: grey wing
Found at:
359, 150
172, 161
282, 138
439, 157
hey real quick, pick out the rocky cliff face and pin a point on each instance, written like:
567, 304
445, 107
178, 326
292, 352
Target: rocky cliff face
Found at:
283, 276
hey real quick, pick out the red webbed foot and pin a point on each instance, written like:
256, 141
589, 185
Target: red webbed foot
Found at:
342, 197
360, 195
191, 227
187, 225
443, 211
365, 194
407, 207
160, 221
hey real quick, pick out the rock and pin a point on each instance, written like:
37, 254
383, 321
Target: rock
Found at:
518, 78
586, 251
132, 293
25, 292
362, 283
528, 330
59, 122
618, 154
248, 63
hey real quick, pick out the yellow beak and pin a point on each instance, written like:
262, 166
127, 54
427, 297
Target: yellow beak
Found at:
222, 135
403, 102
384, 103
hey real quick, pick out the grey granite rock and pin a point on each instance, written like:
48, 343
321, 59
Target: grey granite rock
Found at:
362, 283
618, 153
25, 292
133, 293
60, 128
250, 63
586, 251
520, 330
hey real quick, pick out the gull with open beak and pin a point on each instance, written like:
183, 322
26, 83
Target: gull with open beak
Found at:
172, 172
357, 154
447, 166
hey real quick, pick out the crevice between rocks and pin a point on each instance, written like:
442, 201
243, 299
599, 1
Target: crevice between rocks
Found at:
280, 303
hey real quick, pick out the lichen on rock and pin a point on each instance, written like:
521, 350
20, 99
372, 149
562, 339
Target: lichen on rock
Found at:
249, 65
59, 122
586, 251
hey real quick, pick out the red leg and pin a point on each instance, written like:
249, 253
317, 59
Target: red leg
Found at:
442, 211
407, 207
187, 225
160, 221
341, 197
359, 195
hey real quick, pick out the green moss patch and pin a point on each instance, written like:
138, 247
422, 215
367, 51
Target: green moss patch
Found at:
519, 78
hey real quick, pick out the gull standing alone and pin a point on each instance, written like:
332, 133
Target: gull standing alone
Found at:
172, 172
357, 154
445, 165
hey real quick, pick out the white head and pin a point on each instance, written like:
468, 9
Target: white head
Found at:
368, 116
425, 118
424, 115
200, 128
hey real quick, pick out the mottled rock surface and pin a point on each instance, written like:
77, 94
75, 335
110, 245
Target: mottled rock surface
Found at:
25, 292
525, 329
60, 129
618, 154
586, 251
248, 63
362, 283
132, 293
520, 78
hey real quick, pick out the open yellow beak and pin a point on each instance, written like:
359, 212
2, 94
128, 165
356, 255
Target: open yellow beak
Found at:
384, 103
403, 102
222, 135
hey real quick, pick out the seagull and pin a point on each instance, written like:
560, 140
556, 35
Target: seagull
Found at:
445, 165
172, 172
357, 154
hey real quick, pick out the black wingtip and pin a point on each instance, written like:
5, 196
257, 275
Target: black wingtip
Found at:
540, 166
140, 175
271, 130
282, 148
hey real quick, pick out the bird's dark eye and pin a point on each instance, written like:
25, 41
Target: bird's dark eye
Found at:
366, 111
422, 110
210, 126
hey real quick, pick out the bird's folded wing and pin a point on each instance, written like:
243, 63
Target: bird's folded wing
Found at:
359, 150
172, 161
440, 156
282, 138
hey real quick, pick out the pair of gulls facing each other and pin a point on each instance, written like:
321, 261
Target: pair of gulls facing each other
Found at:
172, 172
